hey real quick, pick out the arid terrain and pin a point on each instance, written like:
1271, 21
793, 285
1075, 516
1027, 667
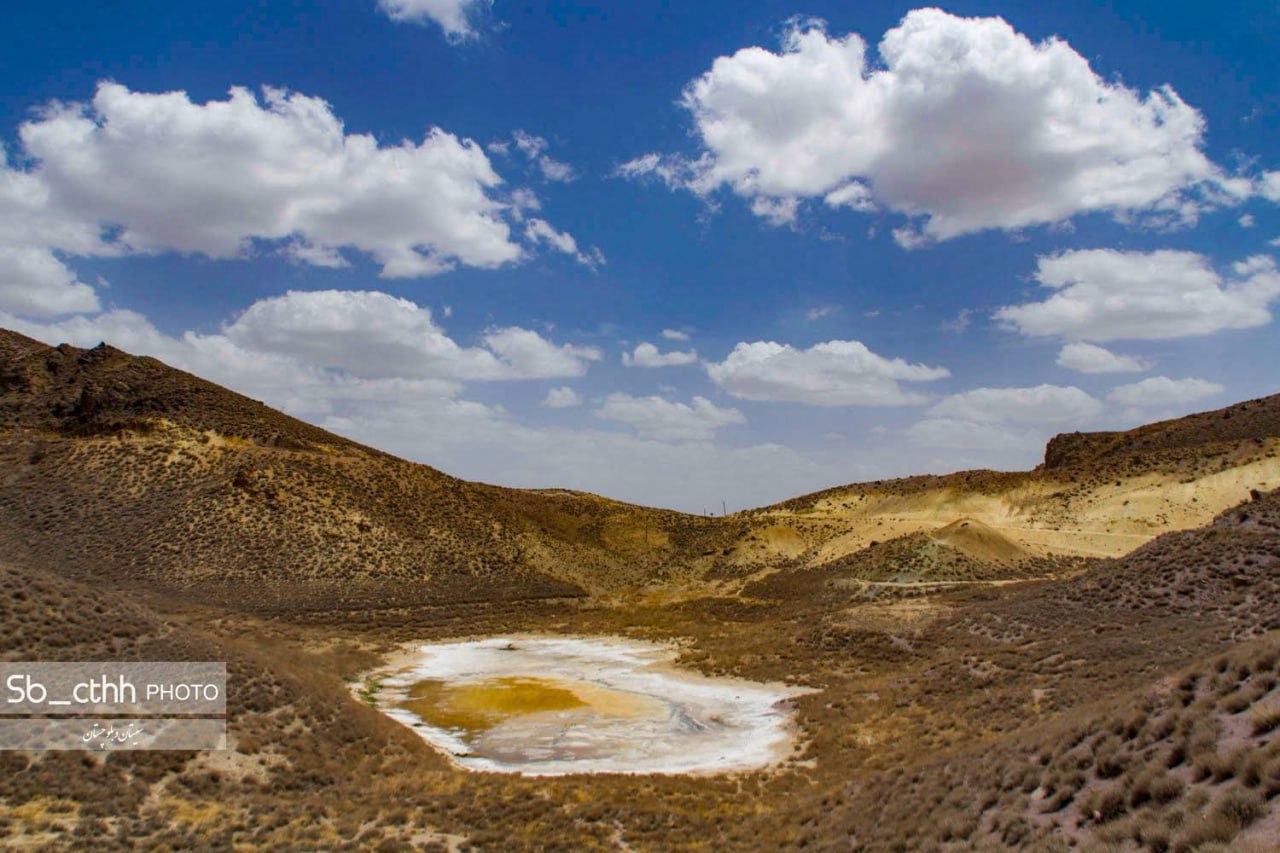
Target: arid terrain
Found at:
1085, 655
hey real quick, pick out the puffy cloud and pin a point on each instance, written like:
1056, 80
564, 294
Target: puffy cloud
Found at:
34, 282
287, 381
332, 342
664, 420
455, 17
1269, 186
268, 170
1009, 419
775, 211
675, 335
964, 122
971, 435
146, 173
835, 373
367, 334
647, 355
563, 397
1163, 391
1089, 358
1040, 404
1104, 294
854, 195
525, 354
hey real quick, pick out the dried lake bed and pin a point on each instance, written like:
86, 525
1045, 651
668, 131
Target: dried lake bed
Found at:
544, 706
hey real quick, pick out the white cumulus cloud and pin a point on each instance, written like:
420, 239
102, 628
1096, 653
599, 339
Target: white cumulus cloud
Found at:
1039, 404
34, 281
145, 173
330, 342
272, 170
1269, 186
563, 397
455, 17
964, 124
1090, 358
835, 373
1003, 418
675, 335
668, 421
648, 355
1163, 391
525, 354
1104, 295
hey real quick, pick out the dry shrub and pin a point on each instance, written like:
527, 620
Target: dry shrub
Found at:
1265, 719
1243, 806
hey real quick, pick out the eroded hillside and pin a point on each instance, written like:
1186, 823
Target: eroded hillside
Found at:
123, 466
988, 675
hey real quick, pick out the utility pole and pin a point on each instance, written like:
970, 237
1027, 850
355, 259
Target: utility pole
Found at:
723, 509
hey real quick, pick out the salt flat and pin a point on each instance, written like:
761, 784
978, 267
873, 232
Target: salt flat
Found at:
543, 706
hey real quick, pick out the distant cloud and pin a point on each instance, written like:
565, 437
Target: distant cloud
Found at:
1002, 418
371, 335
963, 124
674, 172
35, 283
675, 335
775, 211
563, 397
424, 420
540, 231
455, 17
1088, 358
664, 420
1104, 295
960, 323
1246, 220
835, 373
1040, 404
115, 178
535, 149
1269, 186
820, 312
648, 355
1163, 391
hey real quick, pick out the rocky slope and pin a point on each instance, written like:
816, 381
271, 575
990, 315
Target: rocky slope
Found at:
982, 685
122, 467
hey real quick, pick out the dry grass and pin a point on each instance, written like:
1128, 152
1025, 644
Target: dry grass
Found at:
1096, 704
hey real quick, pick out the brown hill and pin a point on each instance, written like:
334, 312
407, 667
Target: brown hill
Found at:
977, 540
1118, 703
1097, 494
122, 467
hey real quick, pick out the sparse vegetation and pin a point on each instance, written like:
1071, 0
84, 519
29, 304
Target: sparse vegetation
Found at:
1079, 703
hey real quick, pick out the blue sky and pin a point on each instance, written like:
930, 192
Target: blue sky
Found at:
716, 252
